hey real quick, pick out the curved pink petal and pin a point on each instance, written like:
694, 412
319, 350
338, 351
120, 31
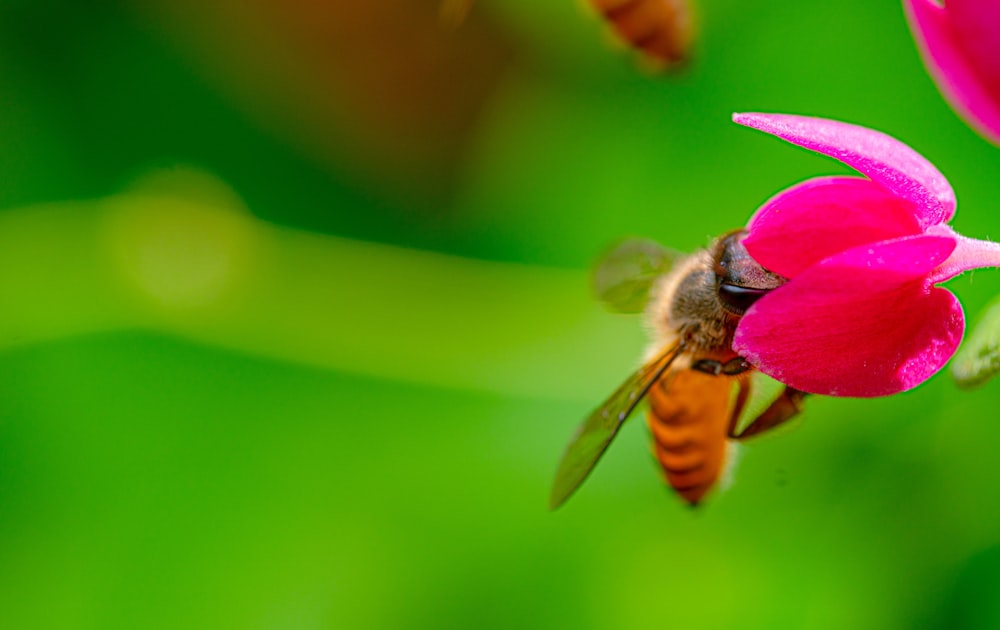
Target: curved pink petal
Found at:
862, 323
961, 47
820, 217
884, 159
976, 25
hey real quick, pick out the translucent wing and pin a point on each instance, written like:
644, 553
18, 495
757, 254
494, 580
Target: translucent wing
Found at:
601, 426
623, 276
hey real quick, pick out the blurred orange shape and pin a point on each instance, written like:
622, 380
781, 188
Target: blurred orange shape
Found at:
382, 89
662, 30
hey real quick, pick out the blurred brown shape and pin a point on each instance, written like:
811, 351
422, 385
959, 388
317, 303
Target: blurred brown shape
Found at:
454, 12
380, 88
662, 30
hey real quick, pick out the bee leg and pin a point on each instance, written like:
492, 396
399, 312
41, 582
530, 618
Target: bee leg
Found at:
732, 367
784, 408
708, 366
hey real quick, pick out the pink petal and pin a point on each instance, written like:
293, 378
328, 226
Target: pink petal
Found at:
976, 25
884, 159
862, 323
961, 47
820, 217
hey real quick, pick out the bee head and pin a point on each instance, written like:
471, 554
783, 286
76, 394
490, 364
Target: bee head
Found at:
739, 279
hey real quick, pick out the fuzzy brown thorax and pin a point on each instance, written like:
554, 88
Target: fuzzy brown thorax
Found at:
704, 296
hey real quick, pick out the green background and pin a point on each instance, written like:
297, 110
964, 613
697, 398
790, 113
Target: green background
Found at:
295, 324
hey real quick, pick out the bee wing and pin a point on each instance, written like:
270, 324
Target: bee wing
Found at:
623, 277
601, 426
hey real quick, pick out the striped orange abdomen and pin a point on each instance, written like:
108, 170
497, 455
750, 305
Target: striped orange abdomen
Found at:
689, 416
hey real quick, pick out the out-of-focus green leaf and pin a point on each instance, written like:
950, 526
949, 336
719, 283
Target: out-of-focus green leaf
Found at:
979, 358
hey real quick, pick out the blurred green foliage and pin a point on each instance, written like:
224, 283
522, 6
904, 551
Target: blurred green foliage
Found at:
316, 371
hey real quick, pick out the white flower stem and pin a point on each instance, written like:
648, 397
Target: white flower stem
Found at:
969, 254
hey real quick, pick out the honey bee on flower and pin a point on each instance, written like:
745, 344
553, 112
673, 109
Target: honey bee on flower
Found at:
830, 289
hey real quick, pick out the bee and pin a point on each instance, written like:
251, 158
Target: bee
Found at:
702, 395
661, 29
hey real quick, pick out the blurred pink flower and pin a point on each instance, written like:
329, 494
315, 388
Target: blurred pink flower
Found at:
859, 315
960, 43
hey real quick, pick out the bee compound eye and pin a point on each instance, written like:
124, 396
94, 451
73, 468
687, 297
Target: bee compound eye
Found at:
737, 299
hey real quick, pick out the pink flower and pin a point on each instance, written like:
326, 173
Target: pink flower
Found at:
960, 44
859, 315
